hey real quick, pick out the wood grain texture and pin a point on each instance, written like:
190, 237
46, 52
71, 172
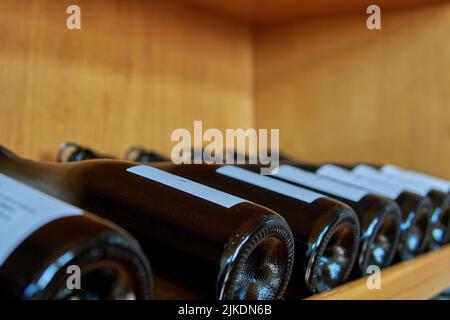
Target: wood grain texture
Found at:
136, 71
421, 278
265, 12
341, 92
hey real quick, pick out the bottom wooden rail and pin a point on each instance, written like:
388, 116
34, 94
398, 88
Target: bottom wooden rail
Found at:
421, 278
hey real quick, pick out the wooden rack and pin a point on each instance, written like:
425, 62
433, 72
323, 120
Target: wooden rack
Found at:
421, 278
337, 91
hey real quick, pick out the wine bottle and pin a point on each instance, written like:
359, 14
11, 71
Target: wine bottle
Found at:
437, 183
70, 151
416, 209
44, 240
325, 231
380, 218
440, 219
139, 154
229, 247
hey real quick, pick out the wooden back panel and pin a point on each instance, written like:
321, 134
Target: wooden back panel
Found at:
133, 73
341, 92
140, 69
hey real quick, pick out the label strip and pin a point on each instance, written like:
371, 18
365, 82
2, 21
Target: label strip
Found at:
435, 183
268, 183
370, 172
384, 189
320, 183
23, 210
193, 188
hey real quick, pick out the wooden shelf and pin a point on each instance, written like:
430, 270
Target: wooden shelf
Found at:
261, 12
336, 90
421, 278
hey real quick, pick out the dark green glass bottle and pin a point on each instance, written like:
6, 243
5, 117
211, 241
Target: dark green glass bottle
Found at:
45, 242
439, 194
326, 231
380, 218
225, 246
416, 210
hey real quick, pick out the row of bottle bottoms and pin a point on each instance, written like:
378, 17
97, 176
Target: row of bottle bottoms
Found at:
223, 230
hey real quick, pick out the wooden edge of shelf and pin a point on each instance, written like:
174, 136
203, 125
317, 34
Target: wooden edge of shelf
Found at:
267, 12
421, 278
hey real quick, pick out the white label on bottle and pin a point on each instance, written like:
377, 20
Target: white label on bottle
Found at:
321, 183
23, 210
421, 187
384, 189
193, 188
370, 172
434, 182
268, 183
393, 170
